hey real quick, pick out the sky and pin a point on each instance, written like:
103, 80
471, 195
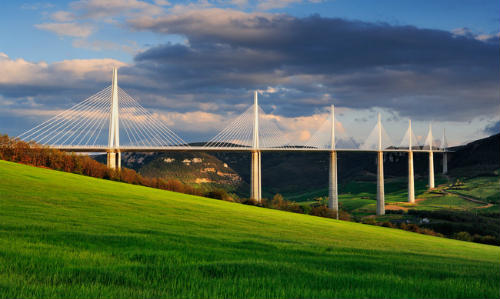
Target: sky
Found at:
197, 63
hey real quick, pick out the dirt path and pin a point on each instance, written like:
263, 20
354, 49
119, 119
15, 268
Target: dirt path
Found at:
486, 205
395, 206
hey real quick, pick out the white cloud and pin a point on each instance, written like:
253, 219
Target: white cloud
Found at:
68, 29
100, 45
36, 6
22, 72
107, 8
273, 4
485, 37
196, 20
162, 2
466, 32
62, 16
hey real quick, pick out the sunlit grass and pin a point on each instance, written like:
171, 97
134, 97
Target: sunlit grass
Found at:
483, 188
68, 236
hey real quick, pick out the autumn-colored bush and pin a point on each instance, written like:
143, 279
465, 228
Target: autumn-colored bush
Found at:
36, 155
218, 194
369, 220
323, 211
344, 215
464, 236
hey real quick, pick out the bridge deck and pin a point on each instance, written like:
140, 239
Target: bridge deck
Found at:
224, 149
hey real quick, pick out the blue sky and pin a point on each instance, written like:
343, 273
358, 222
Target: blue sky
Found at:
426, 60
18, 37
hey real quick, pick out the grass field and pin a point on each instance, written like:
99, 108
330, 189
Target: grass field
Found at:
67, 236
482, 188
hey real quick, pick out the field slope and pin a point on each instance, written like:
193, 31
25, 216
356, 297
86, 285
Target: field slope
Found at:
67, 236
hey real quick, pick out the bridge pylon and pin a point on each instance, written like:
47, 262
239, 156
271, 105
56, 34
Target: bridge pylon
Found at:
380, 172
333, 197
411, 177
444, 145
114, 155
256, 169
431, 159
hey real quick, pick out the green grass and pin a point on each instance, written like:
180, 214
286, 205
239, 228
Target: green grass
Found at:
483, 188
359, 198
68, 236
448, 202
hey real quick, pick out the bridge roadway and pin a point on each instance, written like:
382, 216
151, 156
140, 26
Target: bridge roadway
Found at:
96, 149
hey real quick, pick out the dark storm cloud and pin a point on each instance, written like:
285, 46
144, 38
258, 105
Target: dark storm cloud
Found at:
311, 62
423, 73
317, 44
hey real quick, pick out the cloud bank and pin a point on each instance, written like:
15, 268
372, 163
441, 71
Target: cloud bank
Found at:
303, 63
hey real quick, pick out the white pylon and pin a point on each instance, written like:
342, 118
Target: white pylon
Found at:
411, 179
255, 181
333, 197
255, 143
114, 155
379, 124
380, 172
431, 160
332, 131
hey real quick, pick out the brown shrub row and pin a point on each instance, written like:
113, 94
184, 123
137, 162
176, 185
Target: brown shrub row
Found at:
36, 155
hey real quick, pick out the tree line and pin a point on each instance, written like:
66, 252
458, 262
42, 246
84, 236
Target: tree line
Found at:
31, 153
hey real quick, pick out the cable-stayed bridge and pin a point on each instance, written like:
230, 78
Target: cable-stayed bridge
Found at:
112, 121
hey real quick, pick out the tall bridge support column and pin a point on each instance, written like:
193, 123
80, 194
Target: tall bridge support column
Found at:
255, 180
114, 155
111, 160
431, 170
118, 160
114, 160
380, 184
445, 163
380, 172
333, 196
411, 178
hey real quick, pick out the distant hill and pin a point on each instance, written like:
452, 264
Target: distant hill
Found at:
479, 157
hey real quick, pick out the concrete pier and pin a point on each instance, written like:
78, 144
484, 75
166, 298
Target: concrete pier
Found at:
445, 163
431, 170
111, 160
380, 184
380, 172
114, 160
333, 197
255, 180
411, 178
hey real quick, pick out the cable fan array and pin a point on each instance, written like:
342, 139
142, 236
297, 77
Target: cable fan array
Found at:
372, 141
87, 124
322, 139
431, 143
81, 124
239, 133
143, 128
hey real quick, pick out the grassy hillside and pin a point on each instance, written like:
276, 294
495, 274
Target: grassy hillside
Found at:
65, 235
